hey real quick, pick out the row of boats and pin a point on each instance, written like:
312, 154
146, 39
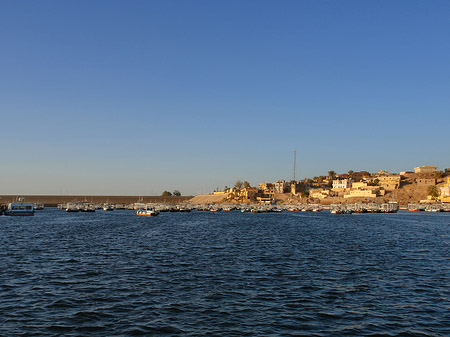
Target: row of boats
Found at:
435, 208
22, 208
390, 207
153, 210
72, 207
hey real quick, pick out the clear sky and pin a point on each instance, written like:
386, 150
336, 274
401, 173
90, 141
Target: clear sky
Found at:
138, 97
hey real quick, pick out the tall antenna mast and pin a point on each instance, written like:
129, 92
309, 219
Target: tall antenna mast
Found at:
295, 162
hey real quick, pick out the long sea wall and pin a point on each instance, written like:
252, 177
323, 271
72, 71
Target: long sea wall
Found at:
53, 200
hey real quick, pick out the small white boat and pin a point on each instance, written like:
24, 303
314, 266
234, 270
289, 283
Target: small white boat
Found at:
147, 212
87, 208
38, 206
72, 208
107, 207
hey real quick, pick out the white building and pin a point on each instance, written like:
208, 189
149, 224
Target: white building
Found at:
341, 184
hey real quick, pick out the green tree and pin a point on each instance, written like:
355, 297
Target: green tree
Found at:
433, 191
350, 172
238, 184
166, 194
331, 174
176, 193
439, 174
246, 184
374, 182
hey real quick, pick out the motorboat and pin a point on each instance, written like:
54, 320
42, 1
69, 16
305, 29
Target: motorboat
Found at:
147, 212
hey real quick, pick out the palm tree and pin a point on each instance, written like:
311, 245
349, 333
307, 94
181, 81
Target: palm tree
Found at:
433, 191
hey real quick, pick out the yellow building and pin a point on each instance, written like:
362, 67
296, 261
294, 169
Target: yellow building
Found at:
368, 192
249, 193
361, 194
445, 192
359, 184
319, 193
267, 188
280, 186
389, 182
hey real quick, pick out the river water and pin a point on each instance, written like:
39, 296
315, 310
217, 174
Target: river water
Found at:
225, 274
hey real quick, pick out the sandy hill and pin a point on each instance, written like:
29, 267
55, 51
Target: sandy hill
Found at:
208, 199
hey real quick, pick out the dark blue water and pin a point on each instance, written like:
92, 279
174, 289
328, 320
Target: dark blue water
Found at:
225, 274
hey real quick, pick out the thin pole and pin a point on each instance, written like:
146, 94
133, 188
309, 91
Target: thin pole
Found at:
295, 162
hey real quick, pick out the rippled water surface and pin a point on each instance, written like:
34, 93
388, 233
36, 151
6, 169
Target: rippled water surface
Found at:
225, 274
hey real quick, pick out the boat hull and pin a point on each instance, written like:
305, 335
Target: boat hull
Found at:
15, 213
19, 209
147, 213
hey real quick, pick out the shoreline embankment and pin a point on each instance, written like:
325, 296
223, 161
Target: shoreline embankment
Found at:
54, 200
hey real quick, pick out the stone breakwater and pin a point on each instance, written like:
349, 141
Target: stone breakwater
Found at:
53, 200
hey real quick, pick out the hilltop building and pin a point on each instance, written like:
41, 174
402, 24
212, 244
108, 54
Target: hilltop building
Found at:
280, 186
249, 193
357, 176
389, 182
359, 185
298, 188
425, 169
341, 184
366, 192
319, 193
267, 188
425, 181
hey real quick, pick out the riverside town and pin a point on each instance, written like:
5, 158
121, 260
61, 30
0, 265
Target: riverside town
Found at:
424, 189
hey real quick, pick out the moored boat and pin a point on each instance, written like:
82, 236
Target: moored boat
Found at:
20, 208
38, 206
147, 212
414, 207
108, 207
436, 208
72, 208
87, 208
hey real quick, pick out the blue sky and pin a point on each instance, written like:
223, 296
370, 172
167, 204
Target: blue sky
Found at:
138, 97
